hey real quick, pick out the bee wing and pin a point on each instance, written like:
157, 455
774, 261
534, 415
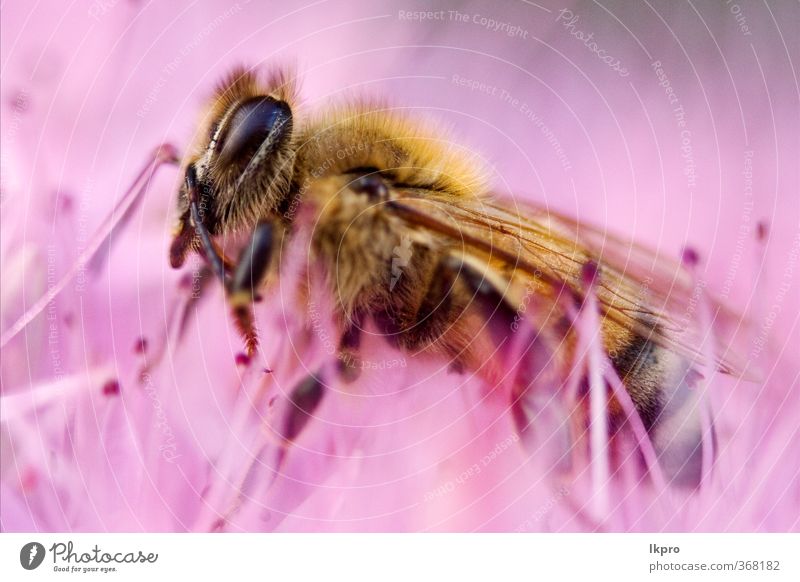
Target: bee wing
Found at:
671, 287
649, 295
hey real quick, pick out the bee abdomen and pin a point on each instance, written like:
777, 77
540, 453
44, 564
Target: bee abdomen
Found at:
639, 364
661, 384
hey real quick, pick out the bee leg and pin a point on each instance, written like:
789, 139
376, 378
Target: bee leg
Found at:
251, 268
247, 272
227, 263
304, 399
347, 357
216, 257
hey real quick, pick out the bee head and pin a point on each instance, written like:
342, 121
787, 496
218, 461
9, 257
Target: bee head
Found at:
242, 162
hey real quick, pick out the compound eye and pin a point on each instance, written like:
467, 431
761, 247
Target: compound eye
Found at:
255, 122
372, 186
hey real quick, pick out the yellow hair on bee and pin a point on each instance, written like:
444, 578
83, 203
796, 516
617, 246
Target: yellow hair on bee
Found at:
372, 135
354, 238
242, 83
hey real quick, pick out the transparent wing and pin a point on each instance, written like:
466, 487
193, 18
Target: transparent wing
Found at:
652, 296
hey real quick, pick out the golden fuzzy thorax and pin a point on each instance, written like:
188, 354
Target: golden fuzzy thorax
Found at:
372, 135
357, 240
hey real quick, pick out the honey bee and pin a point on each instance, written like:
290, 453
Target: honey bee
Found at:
405, 236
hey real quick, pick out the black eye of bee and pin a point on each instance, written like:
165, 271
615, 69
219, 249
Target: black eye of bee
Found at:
372, 186
256, 121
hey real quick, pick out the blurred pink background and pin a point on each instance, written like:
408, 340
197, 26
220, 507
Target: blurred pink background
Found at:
89, 88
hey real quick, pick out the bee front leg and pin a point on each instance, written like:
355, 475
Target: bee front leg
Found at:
242, 288
220, 263
188, 237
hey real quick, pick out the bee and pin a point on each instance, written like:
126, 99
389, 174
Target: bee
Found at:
404, 235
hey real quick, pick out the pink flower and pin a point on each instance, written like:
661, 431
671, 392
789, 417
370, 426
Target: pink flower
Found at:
126, 402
